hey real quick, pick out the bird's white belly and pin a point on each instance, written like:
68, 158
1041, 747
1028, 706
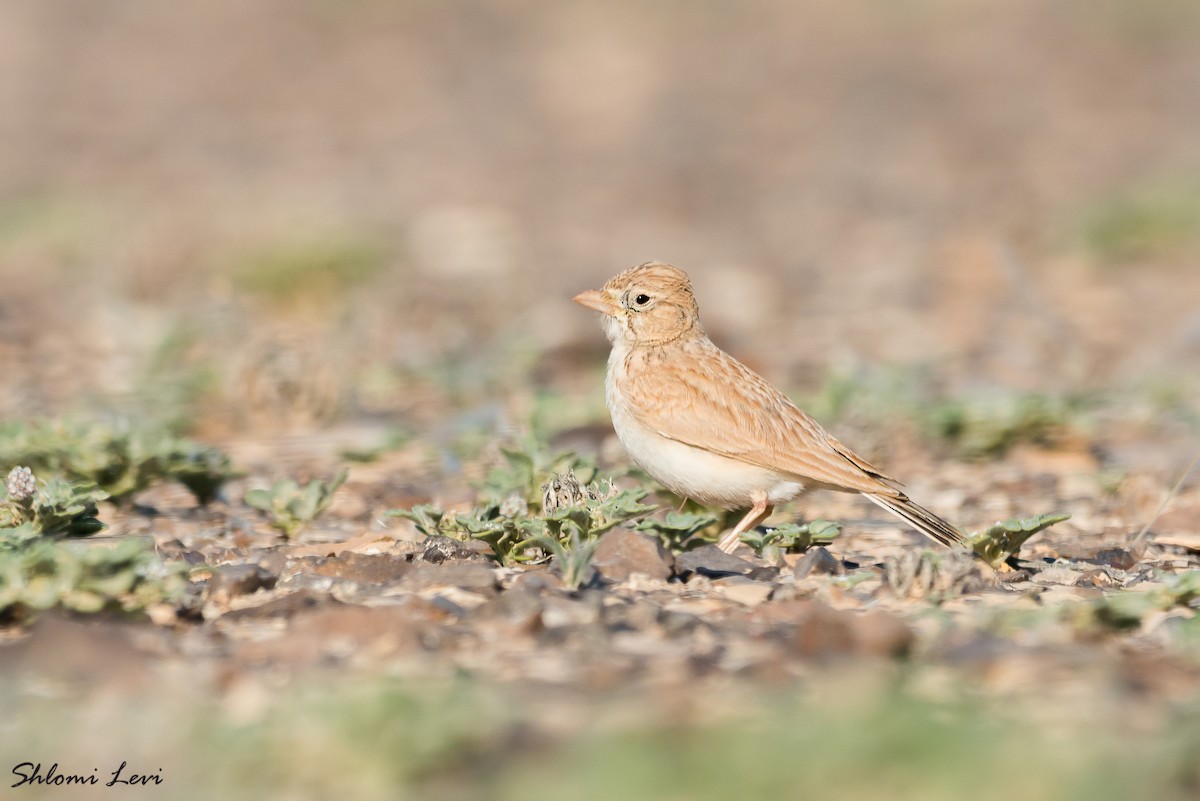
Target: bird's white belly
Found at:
691, 472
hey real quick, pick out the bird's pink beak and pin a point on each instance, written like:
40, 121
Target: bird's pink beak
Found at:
596, 299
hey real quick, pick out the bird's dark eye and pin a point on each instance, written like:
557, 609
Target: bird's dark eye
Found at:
642, 299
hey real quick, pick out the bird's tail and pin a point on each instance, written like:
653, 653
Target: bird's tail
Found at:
921, 519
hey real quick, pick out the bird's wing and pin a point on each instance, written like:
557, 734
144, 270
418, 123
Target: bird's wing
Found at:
712, 401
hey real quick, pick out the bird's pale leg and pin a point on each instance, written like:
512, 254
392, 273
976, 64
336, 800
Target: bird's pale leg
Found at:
759, 512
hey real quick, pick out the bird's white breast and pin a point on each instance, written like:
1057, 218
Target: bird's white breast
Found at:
686, 470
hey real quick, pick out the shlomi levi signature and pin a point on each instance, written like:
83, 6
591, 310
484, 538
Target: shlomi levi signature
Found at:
31, 773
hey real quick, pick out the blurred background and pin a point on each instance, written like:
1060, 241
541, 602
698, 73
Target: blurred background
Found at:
284, 214
965, 235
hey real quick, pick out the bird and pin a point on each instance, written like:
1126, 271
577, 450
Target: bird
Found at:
709, 428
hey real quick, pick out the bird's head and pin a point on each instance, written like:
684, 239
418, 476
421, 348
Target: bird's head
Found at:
651, 304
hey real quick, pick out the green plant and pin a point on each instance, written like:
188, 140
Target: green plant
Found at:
677, 530
574, 557
57, 508
508, 533
534, 493
772, 543
39, 571
1001, 540
568, 508
85, 578
526, 470
290, 507
203, 470
1122, 610
119, 461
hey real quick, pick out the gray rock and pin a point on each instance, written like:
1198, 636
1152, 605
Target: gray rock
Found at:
819, 631
470, 576
1119, 558
560, 612
639, 615
516, 612
282, 607
767, 574
439, 549
712, 562
622, 553
364, 569
818, 562
242, 579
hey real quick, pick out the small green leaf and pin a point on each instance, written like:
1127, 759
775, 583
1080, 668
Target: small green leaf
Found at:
792, 537
290, 507
1003, 539
259, 499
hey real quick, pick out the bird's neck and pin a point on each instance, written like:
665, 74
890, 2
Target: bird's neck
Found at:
682, 335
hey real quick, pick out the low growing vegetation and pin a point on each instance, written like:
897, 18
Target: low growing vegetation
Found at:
120, 461
528, 512
290, 507
42, 567
572, 514
126, 577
